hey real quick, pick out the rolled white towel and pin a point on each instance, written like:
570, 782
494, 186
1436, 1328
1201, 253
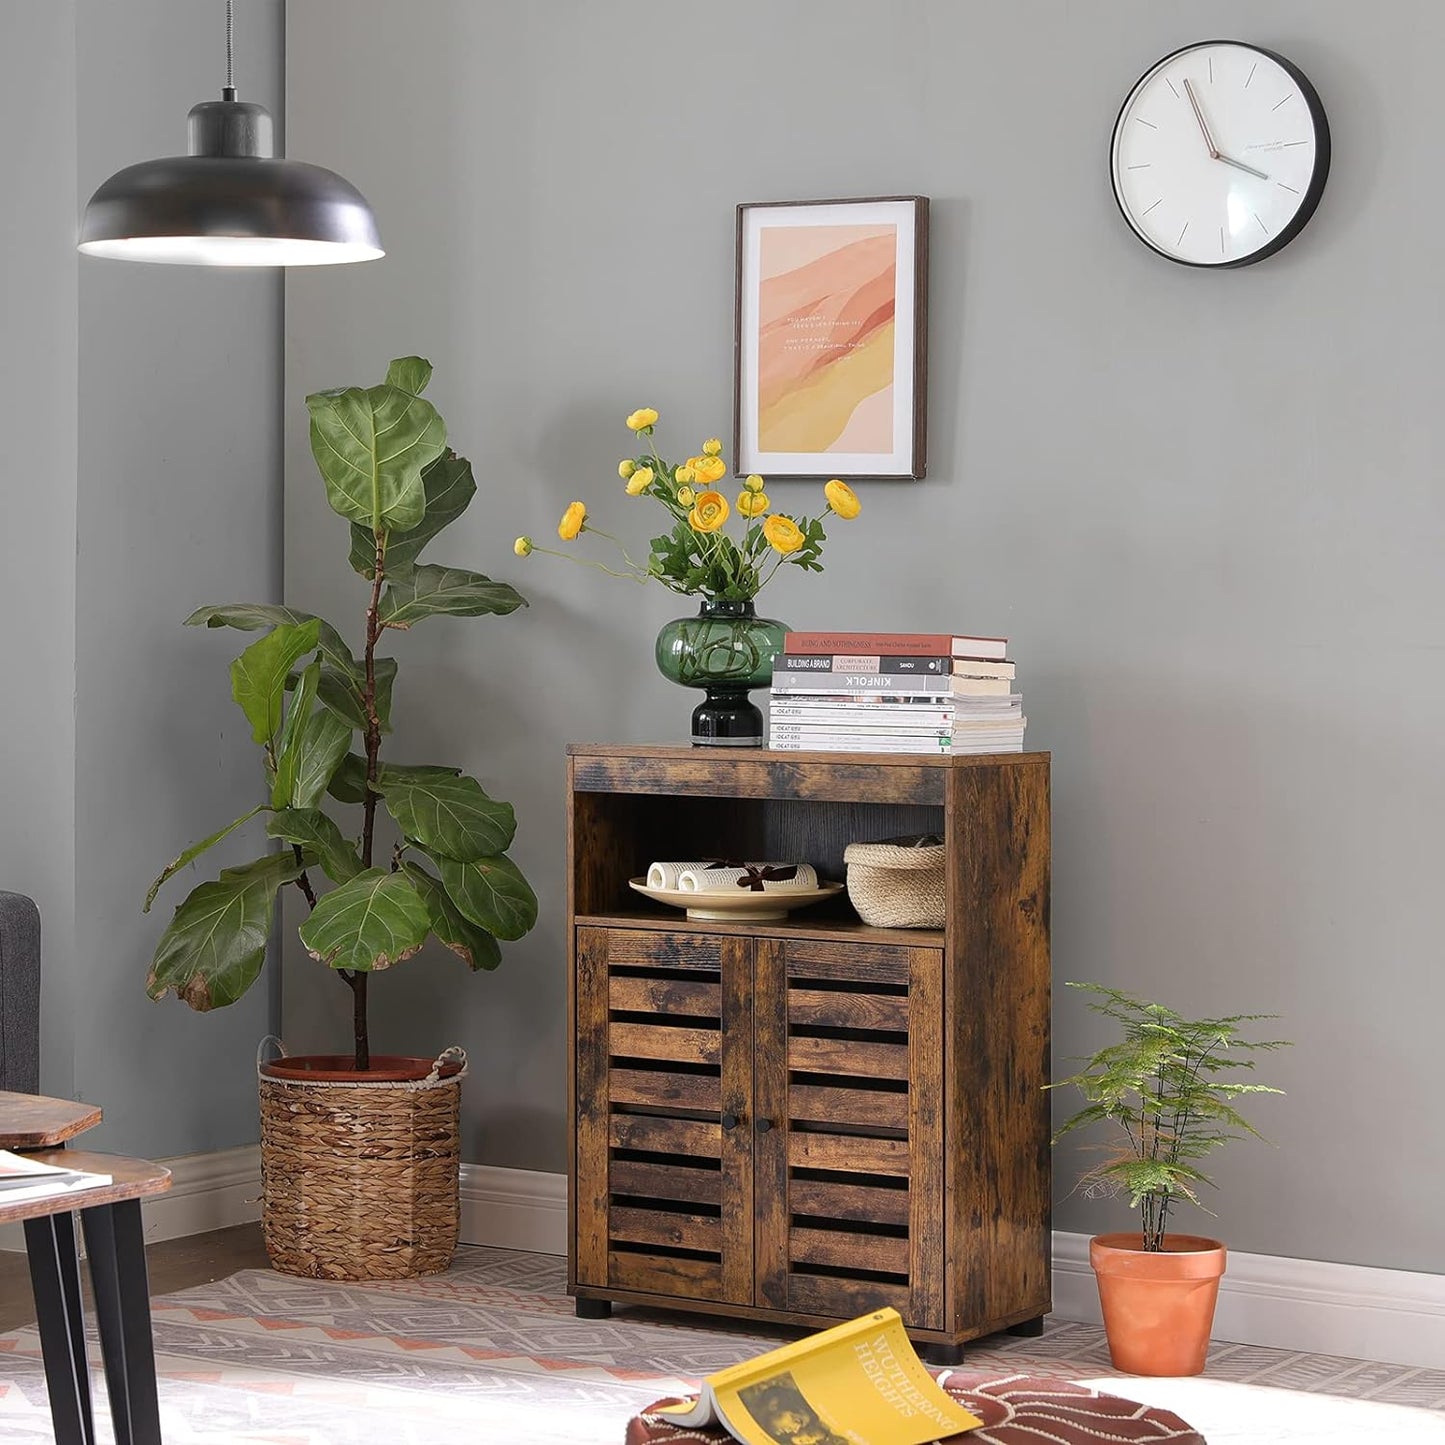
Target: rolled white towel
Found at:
666, 875
696, 879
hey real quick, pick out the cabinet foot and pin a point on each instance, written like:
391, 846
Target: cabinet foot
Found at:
941, 1355
1027, 1329
594, 1309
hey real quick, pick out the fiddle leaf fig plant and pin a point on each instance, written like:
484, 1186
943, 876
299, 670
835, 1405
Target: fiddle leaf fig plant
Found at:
319, 714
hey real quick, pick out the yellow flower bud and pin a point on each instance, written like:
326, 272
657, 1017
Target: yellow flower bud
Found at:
639, 482
685, 475
626, 467
754, 482
686, 496
842, 499
752, 504
642, 419
522, 546
712, 447
710, 469
783, 534
573, 520
709, 512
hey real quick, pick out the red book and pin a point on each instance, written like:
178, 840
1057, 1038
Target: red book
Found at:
913, 644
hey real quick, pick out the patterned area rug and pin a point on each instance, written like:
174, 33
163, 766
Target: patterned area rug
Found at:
490, 1352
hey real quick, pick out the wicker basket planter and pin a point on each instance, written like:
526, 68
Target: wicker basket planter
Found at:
898, 883
359, 1172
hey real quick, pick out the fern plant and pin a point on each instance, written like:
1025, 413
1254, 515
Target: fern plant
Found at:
1165, 1090
383, 456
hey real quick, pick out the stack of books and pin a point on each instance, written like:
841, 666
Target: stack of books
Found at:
895, 692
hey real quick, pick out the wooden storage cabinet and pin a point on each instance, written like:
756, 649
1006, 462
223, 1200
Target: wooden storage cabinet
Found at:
806, 1120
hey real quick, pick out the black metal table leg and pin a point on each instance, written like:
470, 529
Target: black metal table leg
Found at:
55, 1279
115, 1244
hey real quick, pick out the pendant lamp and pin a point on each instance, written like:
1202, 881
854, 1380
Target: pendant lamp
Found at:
231, 201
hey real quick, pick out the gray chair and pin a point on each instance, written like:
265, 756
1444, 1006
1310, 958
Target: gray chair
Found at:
19, 994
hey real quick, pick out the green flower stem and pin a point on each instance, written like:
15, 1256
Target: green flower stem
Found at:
589, 562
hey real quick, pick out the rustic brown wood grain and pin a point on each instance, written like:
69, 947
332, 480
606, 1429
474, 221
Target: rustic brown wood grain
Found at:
666, 996
697, 1138
849, 1154
861, 1203
661, 1088
818, 1104
848, 1057
927, 1143
666, 1181
661, 1274
883, 1253
878, 1011
666, 1228
32, 1121
130, 1179
653, 1041
590, 1108
738, 1208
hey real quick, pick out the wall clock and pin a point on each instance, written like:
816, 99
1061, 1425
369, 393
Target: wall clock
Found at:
1220, 154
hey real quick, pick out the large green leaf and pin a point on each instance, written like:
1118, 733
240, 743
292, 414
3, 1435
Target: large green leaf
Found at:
449, 815
253, 616
311, 830
348, 782
195, 851
371, 445
449, 488
491, 892
258, 676
410, 373
287, 754
375, 920
216, 942
429, 590
341, 691
474, 946
320, 747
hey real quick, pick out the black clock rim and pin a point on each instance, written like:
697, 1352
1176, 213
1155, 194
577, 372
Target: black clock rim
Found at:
1313, 192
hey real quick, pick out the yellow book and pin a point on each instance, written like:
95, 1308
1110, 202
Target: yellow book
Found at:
858, 1383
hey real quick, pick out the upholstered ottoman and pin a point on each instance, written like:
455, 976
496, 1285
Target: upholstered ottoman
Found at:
1015, 1410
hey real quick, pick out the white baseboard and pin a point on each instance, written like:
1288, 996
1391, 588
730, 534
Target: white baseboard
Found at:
208, 1191
514, 1209
1304, 1305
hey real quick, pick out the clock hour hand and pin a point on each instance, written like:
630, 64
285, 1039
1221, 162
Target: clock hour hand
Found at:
1240, 166
1199, 116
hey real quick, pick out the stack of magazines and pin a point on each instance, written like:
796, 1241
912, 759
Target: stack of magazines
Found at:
895, 692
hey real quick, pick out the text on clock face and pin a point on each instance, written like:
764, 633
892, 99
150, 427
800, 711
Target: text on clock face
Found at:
1214, 154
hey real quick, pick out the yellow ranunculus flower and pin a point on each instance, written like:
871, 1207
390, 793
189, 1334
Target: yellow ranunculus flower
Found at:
752, 504
783, 534
573, 520
522, 546
639, 481
712, 447
626, 467
685, 475
710, 469
642, 418
842, 499
754, 483
709, 512
685, 496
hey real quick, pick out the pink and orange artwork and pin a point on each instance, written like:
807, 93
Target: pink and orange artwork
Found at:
826, 316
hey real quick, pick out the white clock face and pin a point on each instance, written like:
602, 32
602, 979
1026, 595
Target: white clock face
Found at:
1220, 154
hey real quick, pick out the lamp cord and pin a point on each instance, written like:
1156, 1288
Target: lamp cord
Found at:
230, 52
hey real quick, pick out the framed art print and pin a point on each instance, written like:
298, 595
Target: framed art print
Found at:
831, 343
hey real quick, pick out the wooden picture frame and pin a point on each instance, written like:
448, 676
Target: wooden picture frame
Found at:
831, 339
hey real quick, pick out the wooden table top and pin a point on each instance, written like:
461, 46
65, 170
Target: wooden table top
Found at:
131, 1179
31, 1121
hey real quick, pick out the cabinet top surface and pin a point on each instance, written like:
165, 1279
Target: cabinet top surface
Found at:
725, 757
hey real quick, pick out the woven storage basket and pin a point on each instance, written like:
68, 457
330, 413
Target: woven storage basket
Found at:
360, 1180
897, 883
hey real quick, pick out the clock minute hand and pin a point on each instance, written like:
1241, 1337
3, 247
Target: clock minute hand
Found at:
1240, 166
1199, 116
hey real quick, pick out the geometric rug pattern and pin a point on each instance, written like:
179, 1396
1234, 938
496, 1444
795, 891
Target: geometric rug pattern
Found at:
491, 1352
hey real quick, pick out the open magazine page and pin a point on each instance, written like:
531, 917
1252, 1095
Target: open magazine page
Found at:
860, 1383
22, 1178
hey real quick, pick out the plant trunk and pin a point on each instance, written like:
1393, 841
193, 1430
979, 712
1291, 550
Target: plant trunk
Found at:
373, 767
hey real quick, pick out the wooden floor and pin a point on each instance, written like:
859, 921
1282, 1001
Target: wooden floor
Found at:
175, 1264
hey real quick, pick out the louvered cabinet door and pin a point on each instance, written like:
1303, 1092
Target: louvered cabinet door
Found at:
664, 1085
848, 1138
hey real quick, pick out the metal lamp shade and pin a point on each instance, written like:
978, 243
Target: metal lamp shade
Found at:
230, 203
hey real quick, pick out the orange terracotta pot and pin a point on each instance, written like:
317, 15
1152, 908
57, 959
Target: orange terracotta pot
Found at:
1158, 1306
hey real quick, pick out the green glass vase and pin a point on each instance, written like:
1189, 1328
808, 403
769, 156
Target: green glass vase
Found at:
725, 649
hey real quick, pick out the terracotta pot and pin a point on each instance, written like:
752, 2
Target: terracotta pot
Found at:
1158, 1306
341, 1068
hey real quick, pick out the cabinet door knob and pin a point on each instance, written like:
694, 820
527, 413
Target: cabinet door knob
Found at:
764, 1125
729, 1121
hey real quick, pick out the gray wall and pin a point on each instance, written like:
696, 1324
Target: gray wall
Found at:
37, 419
158, 491
1205, 507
